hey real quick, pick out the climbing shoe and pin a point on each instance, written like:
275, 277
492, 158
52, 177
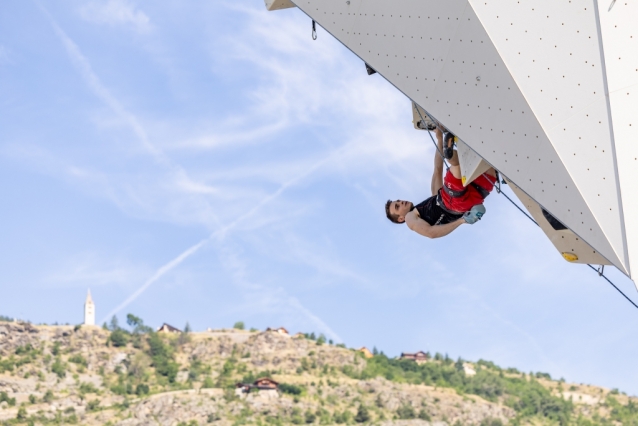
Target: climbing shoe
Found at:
448, 150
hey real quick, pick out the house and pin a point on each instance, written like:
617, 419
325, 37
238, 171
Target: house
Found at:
265, 383
279, 330
242, 388
167, 328
366, 352
419, 357
299, 336
469, 369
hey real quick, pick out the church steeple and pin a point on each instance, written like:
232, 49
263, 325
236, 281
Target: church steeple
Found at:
89, 310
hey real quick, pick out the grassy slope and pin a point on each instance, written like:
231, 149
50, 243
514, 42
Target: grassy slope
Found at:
53, 375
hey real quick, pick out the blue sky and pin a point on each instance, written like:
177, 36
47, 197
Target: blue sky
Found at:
208, 162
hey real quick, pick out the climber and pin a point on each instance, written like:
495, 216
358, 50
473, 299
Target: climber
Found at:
451, 204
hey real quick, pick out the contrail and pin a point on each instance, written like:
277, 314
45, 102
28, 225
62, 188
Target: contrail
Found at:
157, 275
318, 321
221, 233
85, 69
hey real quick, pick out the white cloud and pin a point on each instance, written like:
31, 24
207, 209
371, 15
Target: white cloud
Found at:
93, 270
116, 12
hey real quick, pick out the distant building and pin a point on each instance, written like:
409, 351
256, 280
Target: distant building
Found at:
469, 369
279, 330
261, 384
366, 352
89, 310
167, 328
241, 388
266, 383
299, 336
419, 357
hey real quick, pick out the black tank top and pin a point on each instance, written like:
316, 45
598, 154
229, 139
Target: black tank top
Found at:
432, 213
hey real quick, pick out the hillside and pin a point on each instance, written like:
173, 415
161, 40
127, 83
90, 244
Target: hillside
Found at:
92, 376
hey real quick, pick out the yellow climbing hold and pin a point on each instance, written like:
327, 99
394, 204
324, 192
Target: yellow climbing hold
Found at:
570, 257
464, 179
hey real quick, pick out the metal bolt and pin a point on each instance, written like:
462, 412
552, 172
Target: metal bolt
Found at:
478, 78
348, 2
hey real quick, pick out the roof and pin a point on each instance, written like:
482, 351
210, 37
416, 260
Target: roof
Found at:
280, 330
265, 379
169, 328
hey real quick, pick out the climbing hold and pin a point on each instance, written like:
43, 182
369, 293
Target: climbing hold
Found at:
570, 257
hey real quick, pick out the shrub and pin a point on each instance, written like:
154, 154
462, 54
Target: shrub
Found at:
119, 338
290, 389
59, 368
310, 417
362, 414
23, 350
4, 397
93, 405
78, 359
491, 422
87, 388
208, 383
22, 413
343, 417
48, 396
239, 325
406, 412
33, 399
142, 389
7, 364
423, 415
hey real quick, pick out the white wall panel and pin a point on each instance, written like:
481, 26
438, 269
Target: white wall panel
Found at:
565, 241
503, 100
278, 4
552, 51
472, 165
619, 32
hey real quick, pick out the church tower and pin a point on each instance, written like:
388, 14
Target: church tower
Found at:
89, 310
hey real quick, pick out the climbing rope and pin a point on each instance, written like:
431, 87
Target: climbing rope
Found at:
599, 271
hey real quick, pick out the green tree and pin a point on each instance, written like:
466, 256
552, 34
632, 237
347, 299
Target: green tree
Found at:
115, 325
162, 356
239, 325
363, 415
142, 389
310, 417
119, 338
22, 413
187, 328
321, 339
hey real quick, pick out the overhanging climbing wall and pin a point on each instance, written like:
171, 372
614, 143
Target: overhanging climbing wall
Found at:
545, 91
